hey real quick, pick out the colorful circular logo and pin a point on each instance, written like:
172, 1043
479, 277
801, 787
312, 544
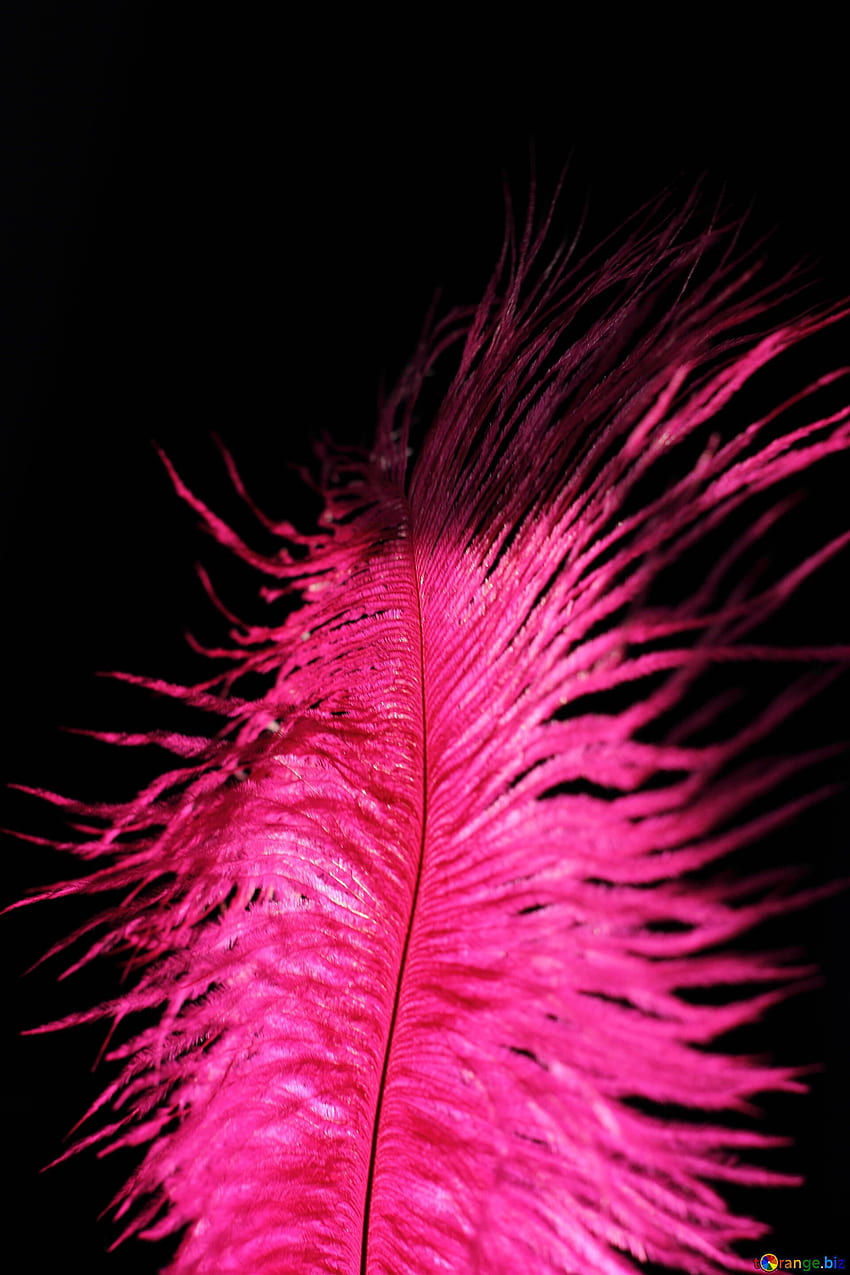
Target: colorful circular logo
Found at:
769, 1262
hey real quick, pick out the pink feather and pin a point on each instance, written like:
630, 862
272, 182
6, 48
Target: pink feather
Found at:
415, 921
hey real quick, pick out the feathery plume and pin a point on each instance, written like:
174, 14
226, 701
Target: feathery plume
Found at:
419, 922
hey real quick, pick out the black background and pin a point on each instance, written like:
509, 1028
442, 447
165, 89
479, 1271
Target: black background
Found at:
215, 221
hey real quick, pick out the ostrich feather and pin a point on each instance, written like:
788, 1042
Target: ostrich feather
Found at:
419, 921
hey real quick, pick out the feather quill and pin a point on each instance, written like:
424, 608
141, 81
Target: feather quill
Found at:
415, 921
